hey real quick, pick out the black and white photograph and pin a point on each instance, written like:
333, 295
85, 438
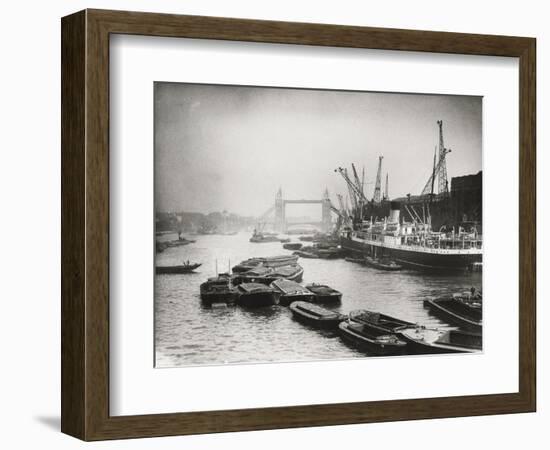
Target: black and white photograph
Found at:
298, 224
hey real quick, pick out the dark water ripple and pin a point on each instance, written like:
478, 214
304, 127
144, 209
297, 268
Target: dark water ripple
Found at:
186, 333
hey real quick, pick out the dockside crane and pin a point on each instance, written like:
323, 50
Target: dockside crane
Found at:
443, 184
429, 187
356, 195
377, 186
439, 172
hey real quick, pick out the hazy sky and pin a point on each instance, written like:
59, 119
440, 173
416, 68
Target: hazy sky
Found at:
232, 147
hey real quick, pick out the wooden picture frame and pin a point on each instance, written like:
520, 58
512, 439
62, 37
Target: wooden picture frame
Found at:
85, 224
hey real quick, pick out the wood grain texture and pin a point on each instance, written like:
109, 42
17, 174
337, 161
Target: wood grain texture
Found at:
73, 227
85, 224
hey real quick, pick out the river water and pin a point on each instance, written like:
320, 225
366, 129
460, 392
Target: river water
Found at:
186, 333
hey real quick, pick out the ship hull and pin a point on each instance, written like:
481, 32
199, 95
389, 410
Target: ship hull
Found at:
415, 259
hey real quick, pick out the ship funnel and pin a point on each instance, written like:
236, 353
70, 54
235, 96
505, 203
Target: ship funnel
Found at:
394, 212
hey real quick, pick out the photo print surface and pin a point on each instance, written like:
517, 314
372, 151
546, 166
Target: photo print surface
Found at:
303, 224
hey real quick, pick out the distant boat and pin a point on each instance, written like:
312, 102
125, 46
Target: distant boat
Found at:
260, 237
306, 238
382, 264
457, 312
257, 294
374, 342
421, 340
291, 291
315, 316
184, 268
218, 290
324, 293
292, 246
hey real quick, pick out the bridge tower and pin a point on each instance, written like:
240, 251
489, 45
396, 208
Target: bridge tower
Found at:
326, 217
280, 219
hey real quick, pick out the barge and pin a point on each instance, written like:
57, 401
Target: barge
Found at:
256, 295
291, 291
315, 316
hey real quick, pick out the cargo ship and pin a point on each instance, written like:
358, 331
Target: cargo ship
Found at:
414, 244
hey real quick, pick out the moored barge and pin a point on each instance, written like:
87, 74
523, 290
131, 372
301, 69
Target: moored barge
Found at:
218, 290
421, 340
373, 342
457, 312
291, 292
324, 293
256, 295
315, 316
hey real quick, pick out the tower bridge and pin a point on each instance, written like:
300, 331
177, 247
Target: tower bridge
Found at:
276, 214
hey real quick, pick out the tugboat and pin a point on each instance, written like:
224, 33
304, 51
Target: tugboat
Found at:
218, 290
315, 316
290, 291
324, 293
256, 295
186, 267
